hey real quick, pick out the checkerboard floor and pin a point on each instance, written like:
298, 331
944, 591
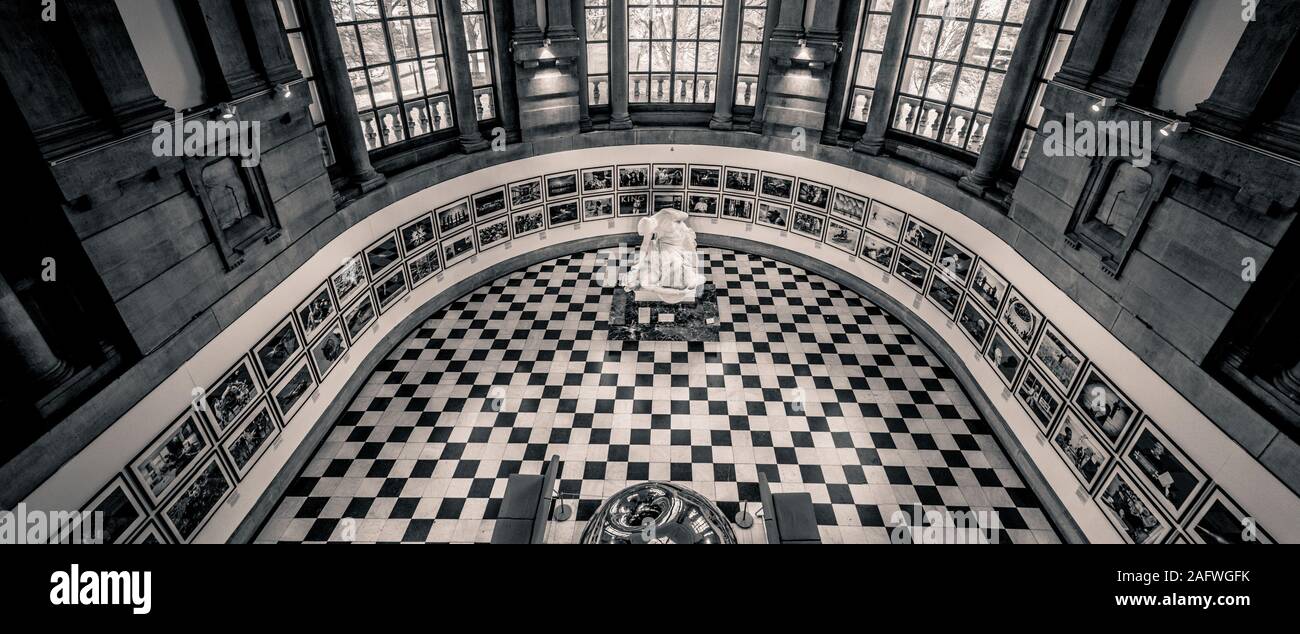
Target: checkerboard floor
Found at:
812, 385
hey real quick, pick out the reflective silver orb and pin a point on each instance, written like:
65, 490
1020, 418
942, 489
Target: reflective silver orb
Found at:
658, 513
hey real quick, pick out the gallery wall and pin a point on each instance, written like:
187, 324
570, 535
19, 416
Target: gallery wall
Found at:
233, 440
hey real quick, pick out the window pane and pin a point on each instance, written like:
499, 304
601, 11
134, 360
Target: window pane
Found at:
598, 58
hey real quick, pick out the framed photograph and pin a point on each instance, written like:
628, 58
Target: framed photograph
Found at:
705, 177
327, 351
1040, 400
849, 207
813, 194
292, 391
633, 204
885, 220
247, 443
1058, 357
453, 217
633, 177
738, 180
1130, 511
1222, 521
668, 201
1021, 319
989, 286
702, 205
598, 180
123, 513
527, 222
461, 247
1102, 404
489, 203
382, 256
198, 500
525, 193
170, 458
955, 262
561, 213
741, 209
417, 234
349, 281
493, 233
944, 294
773, 215
777, 187
669, 176
561, 185
232, 396
314, 312
150, 534
808, 224
1004, 357
911, 270
843, 236
362, 313
878, 251
1172, 479
424, 266
921, 237
276, 349
597, 207
1085, 454
390, 289
974, 323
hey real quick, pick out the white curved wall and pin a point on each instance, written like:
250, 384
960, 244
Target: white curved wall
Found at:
1248, 482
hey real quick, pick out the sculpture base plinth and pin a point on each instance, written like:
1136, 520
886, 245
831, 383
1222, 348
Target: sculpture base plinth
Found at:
633, 320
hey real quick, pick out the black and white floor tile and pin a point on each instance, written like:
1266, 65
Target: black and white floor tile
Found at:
812, 385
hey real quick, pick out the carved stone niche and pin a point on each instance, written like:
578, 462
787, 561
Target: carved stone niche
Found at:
236, 205
1112, 211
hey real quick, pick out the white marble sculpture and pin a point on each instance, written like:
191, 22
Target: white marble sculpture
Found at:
666, 269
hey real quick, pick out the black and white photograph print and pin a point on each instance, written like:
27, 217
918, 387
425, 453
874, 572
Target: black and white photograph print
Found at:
461, 246
275, 350
702, 205
328, 350
525, 193
843, 236
1102, 404
350, 280
314, 312
808, 224
528, 222
453, 217
562, 213
813, 194
1130, 511
597, 207
198, 500
424, 266
292, 391
382, 255
663, 201
598, 180
1004, 357
922, 237
737, 180
849, 207
123, 513
885, 220
1084, 454
911, 270
170, 458
247, 443
231, 396
974, 323
1220, 520
1041, 401
773, 215
416, 235
637, 204
944, 294
1058, 357
489, 203
954, 262
362, 313
669, 176
494, 233
705, 177
392, 288
1021, 319
561, 185
778, 187
989, 286
878, 251
633, 177
1172, 478
741, 209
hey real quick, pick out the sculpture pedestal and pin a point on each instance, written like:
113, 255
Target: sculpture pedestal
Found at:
632, 320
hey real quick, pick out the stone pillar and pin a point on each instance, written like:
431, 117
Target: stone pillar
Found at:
462, 86
1142, 49
29, 354
891, 63
271, 46
1288, 381
107, 46
1089, 43
765, 65
340, 108
219, 41
509, 108
1283, 133
840, 83
549, 75
1254, 64
619, 119
584, 99
1036, 35
725, 95
559, 20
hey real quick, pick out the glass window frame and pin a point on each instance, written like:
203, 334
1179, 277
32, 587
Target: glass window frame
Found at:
648, 104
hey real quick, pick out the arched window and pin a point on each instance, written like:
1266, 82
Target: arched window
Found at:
753, 17
597, 25
396, 56
871, 44
673, 50
957, 56
1060, 44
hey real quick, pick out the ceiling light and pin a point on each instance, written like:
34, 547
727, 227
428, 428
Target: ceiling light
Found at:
1103, 103
227, 111
1175, 127
284, 90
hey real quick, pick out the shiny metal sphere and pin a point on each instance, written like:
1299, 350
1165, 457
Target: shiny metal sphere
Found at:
658, 513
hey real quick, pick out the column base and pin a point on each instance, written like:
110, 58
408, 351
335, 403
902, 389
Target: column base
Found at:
976, 184
1217, 118
720, 122
871, 148
367, 182
470, 145
620, 123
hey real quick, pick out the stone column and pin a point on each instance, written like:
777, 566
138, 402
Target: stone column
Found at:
30, 355
764, 65
1254, 64
462, 86
559, 20
840, 83
1089, 43
107, 46
1142, 49
340, 108
509, 108
619, 119
725, 96
1283, 133
891, 63
1289, 382
584, 99
999, 140
223, 53
272, 47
